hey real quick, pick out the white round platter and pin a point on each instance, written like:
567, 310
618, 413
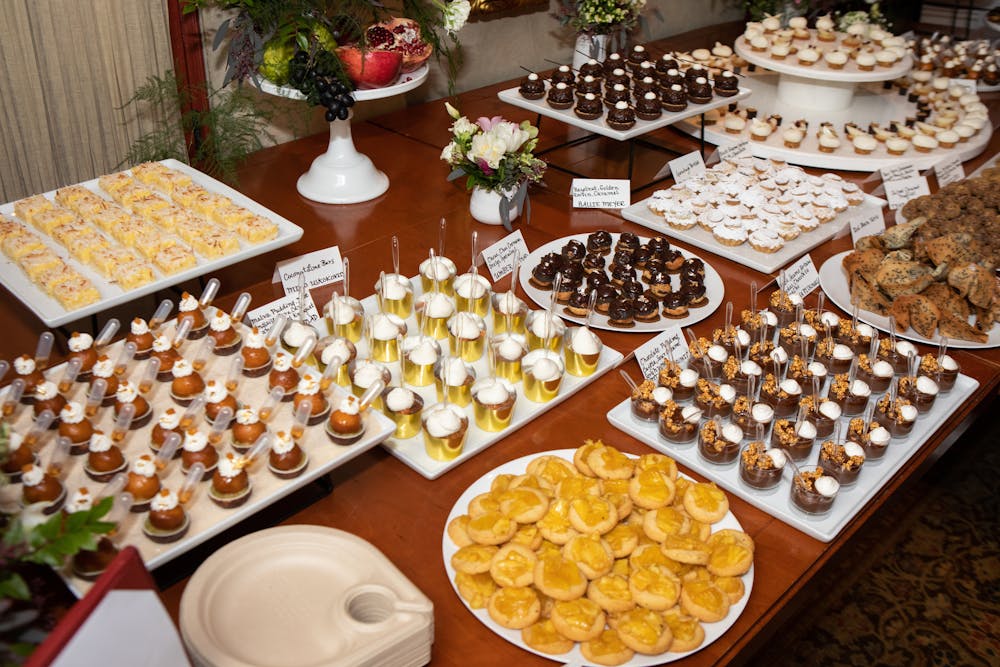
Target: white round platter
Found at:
850, 73
406, 82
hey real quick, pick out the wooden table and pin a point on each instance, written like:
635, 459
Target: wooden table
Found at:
383, 501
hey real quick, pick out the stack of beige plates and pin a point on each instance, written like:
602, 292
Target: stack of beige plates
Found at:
295, 596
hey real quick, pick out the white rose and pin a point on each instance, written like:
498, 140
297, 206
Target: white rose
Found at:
456, 13
488, 147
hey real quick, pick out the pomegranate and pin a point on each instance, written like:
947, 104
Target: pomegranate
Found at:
400, 35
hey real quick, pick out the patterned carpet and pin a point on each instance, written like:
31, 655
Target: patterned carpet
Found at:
921, 583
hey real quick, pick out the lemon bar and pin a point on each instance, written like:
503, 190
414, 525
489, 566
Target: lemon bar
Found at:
172, 179
194, 227
150, 240
257, 229
77, 293
88, 207
186, 195
10, 227
29, 207
66, 196
67, 229
125, 232
216, 244
174, 259
230, 215
111, 183
144, 206
207, 203
136, 274
51, 279
108, 260
83, 243
130, 193
109, 217
17, 246
167, 216
38, 262
49, 219
149, 172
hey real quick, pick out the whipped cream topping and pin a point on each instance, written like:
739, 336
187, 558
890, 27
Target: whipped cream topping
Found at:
442, 268
437, 304
471, 286
308, 384
254, 339
32, 475
15, 440
842, 352
338, 347
170, 419
386, 326
948, 363
905, 348
544, 365
220, 321
24, 365
282, 361
691, 414
732, 433
761, 412
161, 343
879, 436
860, 388
296, 333
182, 368
72, 413
826, 486
139, 327
545, 324
778, 458
164, 501
195, 441
215, 392
46, 390
188, 303
882, 369
510, 348
778, 354
444, 420
80, 501
229, 466
790, 386
585, 341
718, 353
662, 394
687, 377
282, 443
830, 410
343, 310
103, 367
79, 342
399, 399
727, 392
854, 449
908, 413
492, 391
508, 303
466, 326
455, 372
927, 386
99, 442
366, 373
247, 416
395, 287
749, 368
142, 466
817, 369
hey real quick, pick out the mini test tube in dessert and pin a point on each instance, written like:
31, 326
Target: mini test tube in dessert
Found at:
454, 378
493, 401
394, 294
648, 399
140, 334
190, 308
433, 311
230, 482
761, 468
168, 422
168, 355
74, 425
842, 460
508, 352
308, 392
679, 425
466, 336
813, 491
27, 370
247, 428
403, 406
366, 373
221, 329
420, 353
582, 351
256, 355
329, 348
198, 449
286, 460
81, 346
472, 293
346, 424
542, 371
445, 427
345, 317
718, 442
104, 458
142, 482
544, 326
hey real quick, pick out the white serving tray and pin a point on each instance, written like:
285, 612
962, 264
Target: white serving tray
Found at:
207, 519
598, 126
412, 452
834, 282
53, 314
715, 291
777, 502
405, 83
574, 657
744, 254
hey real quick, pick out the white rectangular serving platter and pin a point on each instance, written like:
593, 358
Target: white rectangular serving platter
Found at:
207, 518
777, 501
598, 126
53, 314
697, 236
412, 452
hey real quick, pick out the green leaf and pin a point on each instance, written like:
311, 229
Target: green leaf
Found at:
302, 40
14, 587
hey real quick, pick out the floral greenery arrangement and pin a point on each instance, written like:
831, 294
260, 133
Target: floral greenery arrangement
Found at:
760, 9
599, 17
494, 154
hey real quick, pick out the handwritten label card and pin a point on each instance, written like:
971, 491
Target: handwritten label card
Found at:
949, 171
900, 192
264, 317
734, 151
899, 172
868, 221
800, 278
653, 353
499, 257
687, 167
601, 192
320, 268
968, 84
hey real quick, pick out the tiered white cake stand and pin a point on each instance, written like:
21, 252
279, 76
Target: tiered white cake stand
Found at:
819, 94
342, 175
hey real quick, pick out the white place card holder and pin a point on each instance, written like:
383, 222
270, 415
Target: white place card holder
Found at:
735, 151
800, 278
949, 170
652, 353
902, 191
320, 267
687, 167
899, 172
288, 305
868, 221
499, 257
601, 192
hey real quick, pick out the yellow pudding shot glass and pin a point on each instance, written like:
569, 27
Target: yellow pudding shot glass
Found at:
543, 372
445, 427
493, 401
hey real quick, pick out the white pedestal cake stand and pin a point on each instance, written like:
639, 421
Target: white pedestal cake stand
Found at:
342, 175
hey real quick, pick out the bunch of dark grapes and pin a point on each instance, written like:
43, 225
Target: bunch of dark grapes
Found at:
317, 78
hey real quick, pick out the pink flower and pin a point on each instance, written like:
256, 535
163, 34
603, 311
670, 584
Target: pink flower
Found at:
484, 166
487, 124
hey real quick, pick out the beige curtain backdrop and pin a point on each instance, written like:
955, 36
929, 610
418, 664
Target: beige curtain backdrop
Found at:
66, 69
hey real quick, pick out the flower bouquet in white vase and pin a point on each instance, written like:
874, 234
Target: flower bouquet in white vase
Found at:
496, 157
601, 25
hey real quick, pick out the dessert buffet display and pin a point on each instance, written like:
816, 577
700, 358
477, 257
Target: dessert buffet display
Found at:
356, 606
759, 213
802, 413
637, 284
87, 247
592, 556
626, 97
200, 420
944, 56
